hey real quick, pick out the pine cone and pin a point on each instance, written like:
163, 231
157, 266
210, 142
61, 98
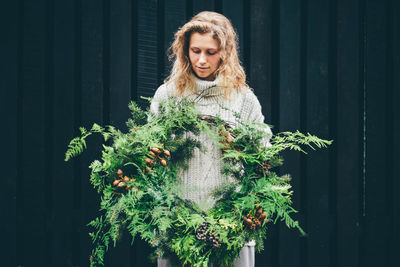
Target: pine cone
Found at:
204, 234
116, 182
167, 153
259, 170
156, 150
266, 166
263, 168
259, 211
262, 217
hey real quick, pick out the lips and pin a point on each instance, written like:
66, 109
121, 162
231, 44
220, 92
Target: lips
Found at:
202, 68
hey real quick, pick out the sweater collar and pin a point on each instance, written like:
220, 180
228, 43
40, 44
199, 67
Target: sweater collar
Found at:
208, 88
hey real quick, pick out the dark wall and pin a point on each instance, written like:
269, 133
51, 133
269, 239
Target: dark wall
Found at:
329, 67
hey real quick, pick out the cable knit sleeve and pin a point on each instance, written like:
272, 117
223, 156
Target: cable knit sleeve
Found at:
161, 94
251, 111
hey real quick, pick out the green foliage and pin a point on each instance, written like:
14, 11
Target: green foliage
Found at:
138, 116
148, 203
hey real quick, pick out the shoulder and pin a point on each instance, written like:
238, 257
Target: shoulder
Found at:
251, 107
163, 92
249, 99
252, 111
248, 96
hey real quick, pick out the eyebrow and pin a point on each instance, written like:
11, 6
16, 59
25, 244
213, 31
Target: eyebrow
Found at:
195, 47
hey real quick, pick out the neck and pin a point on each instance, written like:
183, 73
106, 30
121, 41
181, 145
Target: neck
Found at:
204, 84
207, 89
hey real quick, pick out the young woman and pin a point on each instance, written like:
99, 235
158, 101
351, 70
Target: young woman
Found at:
206, 69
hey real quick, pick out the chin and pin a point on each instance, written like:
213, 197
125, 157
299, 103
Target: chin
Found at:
202, 75
205, 75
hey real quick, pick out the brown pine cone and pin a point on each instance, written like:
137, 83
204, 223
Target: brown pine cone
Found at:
163, 162
259, 211
167, 153
263, 168
259, 170
247, 221
262, 217
229, 138
148, 161
156, 150
266, 166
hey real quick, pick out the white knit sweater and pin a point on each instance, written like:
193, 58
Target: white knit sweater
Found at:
204, 168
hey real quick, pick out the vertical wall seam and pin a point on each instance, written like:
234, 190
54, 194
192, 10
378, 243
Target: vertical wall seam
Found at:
246, 37
332, 110
160, 41
275, 100
134, 49
134, 84
303, 128
390, 244
77, 164
362, 126
218, 6
189, 9
106, 61
275, 53
48, 134
20, 174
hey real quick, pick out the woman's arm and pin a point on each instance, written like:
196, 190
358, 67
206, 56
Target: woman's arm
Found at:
252, 112
162, 93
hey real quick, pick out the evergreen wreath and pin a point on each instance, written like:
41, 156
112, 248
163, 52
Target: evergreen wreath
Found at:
140, 191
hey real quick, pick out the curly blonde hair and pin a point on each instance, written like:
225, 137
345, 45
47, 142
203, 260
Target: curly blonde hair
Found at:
230, 72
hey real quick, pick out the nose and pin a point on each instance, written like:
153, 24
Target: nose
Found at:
202, 58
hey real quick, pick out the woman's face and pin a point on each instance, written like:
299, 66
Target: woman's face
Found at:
204, 55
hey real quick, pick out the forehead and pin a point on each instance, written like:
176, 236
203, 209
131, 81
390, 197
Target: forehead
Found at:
204, 40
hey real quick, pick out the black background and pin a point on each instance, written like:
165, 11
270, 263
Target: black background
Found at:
329, 67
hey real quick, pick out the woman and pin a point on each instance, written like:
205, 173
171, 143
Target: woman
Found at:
206, 69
